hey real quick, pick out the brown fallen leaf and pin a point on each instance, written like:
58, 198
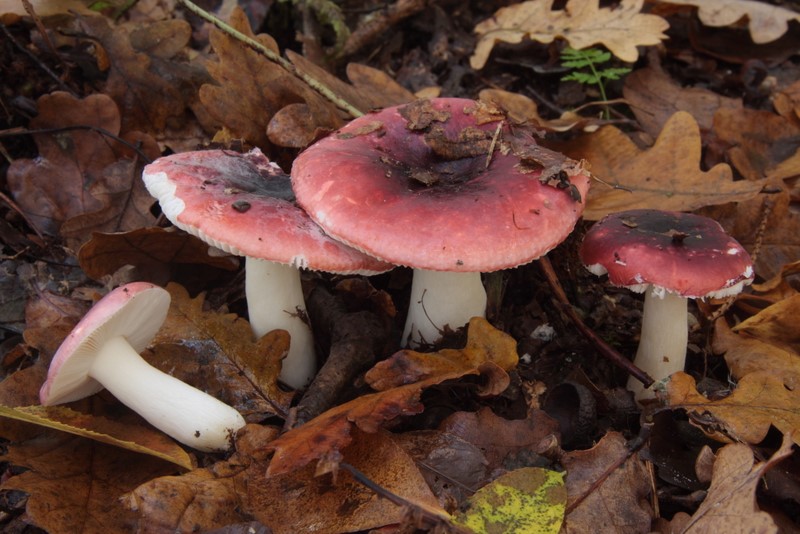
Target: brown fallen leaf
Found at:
133, 437
776, 325
787, 103
582, 23
330, 432
666, 176
613, 499
760, 399
485, 344
319, 504
654, 97
766, 22
151, 250
730, 504
758, 141
80, 172
745, 355
75, 484
521, 109
499, 438
218, 353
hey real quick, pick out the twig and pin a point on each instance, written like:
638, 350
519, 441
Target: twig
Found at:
13, 132
606, 350
36, 60
287, 65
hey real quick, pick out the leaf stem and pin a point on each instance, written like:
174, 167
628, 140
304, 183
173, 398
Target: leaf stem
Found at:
287, 65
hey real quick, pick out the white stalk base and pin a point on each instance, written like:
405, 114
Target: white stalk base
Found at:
275, 301
440, 299
662, 347
189, 415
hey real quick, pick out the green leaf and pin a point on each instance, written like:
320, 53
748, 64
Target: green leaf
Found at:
581, 77
530, 500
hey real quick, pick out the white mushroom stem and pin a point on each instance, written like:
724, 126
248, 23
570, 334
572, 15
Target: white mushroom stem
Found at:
187, 414
665, 333
275, 301
441, 299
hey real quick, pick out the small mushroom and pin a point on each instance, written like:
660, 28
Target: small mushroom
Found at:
244, 205
102, 351
427, 185
671, 257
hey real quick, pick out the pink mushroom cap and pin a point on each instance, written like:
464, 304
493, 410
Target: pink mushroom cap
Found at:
681, 253
135, 311
385, 184
243, 204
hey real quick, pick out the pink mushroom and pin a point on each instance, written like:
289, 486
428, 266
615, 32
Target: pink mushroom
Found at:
444, 186
102, 351
243, 204
671, 257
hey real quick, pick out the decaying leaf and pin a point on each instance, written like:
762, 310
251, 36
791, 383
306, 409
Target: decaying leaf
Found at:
666, 176
330, 432
488, 351
75, 484
760, 399
613, 499
219, 352
81, 174
776, 324
730, 505
530, 500
150, 249
767, 22
582, 23
133, 437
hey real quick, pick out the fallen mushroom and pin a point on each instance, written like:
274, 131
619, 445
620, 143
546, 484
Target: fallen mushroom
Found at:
243, 204
438, 186
102, 351
671, 257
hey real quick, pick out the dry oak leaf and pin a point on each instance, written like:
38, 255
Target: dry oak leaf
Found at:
654, 97
744, 355
730, 503
75, 484
614, 499
760, 399
330, 432
133, 437
582, 23
488, 351
776, 325
766, 22
151, 250
218, 351
80, 171
666, 176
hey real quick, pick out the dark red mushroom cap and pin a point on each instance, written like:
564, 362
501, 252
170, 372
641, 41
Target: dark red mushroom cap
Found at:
681, 253
243, 204
435, 185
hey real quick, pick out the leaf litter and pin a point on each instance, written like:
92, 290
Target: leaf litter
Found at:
416, 435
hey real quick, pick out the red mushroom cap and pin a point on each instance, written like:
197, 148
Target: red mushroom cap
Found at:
410, 185
135, 311
243, 204
678, 252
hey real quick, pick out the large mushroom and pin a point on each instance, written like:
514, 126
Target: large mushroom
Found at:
102, 351
444, 186
671, 257
243, 204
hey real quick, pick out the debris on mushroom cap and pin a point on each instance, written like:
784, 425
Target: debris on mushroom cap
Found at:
244, 205
443, 184
676, 252
145, 308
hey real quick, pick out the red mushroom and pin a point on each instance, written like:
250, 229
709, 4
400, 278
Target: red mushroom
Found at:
243, 204
444, 186
102, 351
671, 257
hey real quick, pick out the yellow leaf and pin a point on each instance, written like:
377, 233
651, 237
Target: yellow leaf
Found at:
530, 500
666, 176
582, 23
